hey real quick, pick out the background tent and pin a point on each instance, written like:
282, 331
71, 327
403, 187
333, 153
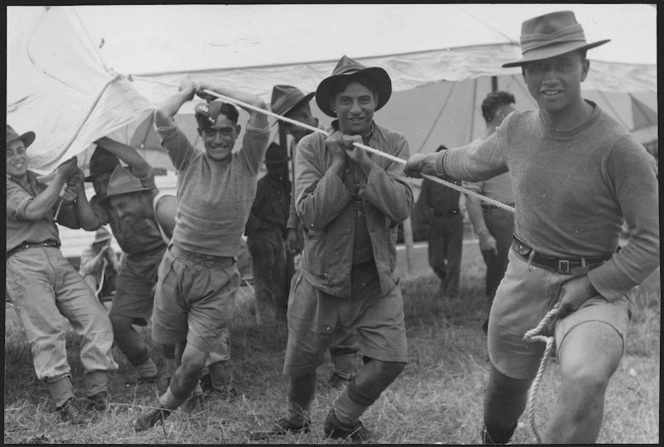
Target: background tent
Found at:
442, 59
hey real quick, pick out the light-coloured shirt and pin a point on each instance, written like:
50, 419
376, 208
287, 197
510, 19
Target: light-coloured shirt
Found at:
20, 229
214, 197
572, 191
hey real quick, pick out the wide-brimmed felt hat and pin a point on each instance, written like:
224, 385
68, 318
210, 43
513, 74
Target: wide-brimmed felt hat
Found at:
123, 182
102, 235
101, 161
286, 97
275, 154
27, 138
551, 35
347, 67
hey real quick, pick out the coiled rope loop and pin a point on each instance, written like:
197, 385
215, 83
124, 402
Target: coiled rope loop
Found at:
534, 335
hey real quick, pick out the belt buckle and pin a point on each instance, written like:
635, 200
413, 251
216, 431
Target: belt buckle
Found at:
563, 266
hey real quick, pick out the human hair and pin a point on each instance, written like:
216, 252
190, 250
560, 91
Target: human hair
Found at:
226, 109
342, 83
494, 101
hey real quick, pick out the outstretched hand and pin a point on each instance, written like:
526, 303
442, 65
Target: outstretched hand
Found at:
414, 166
200, 91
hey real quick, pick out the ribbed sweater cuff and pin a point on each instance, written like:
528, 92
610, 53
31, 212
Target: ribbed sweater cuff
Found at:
440, 171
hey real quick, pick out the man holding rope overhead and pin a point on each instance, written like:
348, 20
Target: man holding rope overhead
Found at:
350, 203
577, 175
198, 276
292, 103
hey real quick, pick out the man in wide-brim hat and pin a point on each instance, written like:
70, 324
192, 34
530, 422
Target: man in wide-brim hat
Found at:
142, 246
578, 174
350, 204
291, 102
43, 285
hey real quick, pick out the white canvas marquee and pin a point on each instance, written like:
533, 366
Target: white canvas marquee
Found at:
440, 57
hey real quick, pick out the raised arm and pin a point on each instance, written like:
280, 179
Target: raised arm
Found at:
125, 153
256, 119
165, 113
42, 205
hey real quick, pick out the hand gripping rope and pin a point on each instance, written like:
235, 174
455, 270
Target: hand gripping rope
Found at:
529, 336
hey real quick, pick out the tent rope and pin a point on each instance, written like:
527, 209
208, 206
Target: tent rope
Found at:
532, 336
359, 145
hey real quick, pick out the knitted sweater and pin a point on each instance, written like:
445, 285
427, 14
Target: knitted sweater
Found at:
573, 189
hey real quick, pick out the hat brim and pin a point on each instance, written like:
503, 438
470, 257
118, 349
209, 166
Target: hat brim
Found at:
108, 196
553, 51
27, 138
379, 76
91, 178
305, 98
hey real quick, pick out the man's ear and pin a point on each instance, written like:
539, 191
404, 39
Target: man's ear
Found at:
238, 128
316, 120
585, 64
200, 132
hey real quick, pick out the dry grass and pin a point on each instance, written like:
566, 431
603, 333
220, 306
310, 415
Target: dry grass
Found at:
438, 398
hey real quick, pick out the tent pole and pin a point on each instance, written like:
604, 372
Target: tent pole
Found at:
494, 83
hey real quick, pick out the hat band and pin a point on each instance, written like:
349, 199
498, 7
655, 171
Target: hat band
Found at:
572, 33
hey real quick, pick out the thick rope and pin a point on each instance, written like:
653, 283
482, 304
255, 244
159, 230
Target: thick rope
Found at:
359, 145
532, 336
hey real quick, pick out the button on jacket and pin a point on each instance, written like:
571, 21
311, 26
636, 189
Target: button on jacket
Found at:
325, 205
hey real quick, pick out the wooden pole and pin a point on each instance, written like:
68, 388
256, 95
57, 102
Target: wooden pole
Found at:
408, 239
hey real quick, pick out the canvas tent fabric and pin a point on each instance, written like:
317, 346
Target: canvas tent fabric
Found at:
441, 59
59, 88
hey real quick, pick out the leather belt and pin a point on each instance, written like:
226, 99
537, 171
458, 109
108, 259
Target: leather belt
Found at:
555, 264
206, 260
26, 245
448, 213
488, 206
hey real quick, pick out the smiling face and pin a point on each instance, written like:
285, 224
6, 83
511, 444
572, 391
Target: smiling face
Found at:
219, 138
130, 207
17, 159
555, 83
355, 106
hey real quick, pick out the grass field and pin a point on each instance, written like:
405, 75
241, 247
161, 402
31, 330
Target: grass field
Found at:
438, 398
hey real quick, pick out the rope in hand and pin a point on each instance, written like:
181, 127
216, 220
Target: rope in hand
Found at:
359, 145
532, 336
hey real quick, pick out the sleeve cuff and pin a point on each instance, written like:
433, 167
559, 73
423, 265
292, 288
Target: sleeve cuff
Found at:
438, 165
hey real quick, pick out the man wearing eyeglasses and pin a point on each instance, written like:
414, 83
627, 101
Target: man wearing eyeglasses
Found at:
198, 275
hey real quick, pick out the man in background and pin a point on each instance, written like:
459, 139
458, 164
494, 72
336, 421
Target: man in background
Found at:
292, 103
445, 233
